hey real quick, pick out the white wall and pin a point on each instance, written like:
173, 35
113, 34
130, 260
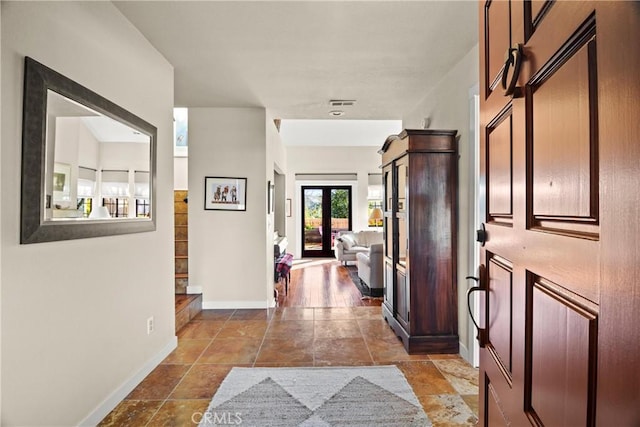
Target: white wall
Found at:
276, 160
181, 173
1, 208
359, 160
227, 249
447, 107
124, 156
74, 313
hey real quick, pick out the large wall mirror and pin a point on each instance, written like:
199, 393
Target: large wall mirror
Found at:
88, 165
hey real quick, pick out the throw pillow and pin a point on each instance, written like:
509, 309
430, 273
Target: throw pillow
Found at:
347, 241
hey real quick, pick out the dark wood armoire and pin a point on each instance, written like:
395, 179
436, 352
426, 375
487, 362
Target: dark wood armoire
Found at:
420, 174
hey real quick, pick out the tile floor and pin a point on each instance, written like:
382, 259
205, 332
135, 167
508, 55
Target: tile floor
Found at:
216, 340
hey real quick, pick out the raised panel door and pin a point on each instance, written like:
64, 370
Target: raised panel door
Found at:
561, 295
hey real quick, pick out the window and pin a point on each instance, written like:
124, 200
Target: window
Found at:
374, 198
115, 183
375, 213
86, 190
117, 207
142, 208
84, 205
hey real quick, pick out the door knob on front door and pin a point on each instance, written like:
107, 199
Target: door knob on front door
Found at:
481, 235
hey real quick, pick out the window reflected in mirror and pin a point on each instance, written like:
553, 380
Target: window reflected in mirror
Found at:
97, 161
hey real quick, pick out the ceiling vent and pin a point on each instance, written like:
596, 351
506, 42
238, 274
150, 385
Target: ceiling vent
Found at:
342, 102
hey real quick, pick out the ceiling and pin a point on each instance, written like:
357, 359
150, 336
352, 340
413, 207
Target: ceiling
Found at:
292, 57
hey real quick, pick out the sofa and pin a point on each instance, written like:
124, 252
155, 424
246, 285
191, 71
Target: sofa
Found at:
370, 266
350, 243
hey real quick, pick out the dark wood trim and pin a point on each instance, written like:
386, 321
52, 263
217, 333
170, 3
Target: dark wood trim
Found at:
326, 250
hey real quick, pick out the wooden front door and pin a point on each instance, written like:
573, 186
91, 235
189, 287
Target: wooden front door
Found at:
560, 162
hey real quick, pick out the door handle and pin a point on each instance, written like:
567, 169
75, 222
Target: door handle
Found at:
513, 57
482, 333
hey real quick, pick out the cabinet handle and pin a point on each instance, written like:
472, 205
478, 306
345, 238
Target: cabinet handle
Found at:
482, 333
513, 57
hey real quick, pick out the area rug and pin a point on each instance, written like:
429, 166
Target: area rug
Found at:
316, 397
365, 291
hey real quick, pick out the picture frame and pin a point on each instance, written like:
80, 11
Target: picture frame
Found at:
225, 193
287, 207
61, 183
270, 191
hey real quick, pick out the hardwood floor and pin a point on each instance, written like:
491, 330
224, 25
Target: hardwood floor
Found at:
321, 283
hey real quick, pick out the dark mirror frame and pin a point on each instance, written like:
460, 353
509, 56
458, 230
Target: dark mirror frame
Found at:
38, 79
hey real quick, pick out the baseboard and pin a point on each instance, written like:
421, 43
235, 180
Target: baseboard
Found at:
127, 387
217, 305
465, 354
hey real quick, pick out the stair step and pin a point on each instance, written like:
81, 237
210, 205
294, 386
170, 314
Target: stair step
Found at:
188, 306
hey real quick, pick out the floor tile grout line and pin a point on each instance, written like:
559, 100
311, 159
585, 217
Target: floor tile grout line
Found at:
264, 335
365, 341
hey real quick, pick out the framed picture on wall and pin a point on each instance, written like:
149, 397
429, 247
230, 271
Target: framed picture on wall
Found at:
225, 194
287, 207
62, 183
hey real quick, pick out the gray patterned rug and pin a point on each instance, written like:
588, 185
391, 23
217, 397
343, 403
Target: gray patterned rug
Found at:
306, 397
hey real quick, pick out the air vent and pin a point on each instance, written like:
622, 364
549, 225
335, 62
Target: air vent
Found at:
342, 102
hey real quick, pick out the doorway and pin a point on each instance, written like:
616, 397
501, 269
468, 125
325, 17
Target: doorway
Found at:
326, 210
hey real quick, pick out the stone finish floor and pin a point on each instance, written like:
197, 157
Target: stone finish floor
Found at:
182, 386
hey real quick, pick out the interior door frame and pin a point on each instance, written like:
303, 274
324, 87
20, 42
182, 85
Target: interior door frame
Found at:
327, 250
477, 196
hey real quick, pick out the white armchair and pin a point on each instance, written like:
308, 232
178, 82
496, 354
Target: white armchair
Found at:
370, 269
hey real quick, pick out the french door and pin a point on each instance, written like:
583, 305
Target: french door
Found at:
560, 164
326, 210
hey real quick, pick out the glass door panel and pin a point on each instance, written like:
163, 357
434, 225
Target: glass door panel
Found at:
340, 212
312, 236
402, 241
326, 211
402, 187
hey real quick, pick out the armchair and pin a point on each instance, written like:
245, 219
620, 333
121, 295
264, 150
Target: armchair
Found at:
370, 269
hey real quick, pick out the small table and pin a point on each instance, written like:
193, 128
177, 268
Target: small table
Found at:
283, 270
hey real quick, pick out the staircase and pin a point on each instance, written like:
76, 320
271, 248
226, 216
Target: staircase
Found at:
181, 236
187, 305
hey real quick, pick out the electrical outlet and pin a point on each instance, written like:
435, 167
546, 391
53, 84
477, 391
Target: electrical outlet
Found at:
149, 325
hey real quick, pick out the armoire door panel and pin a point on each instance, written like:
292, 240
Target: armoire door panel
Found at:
500, 312
562, 343
388, 283
499, 169
402, 299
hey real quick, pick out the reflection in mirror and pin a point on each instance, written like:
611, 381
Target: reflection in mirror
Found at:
97, 161
88, 165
